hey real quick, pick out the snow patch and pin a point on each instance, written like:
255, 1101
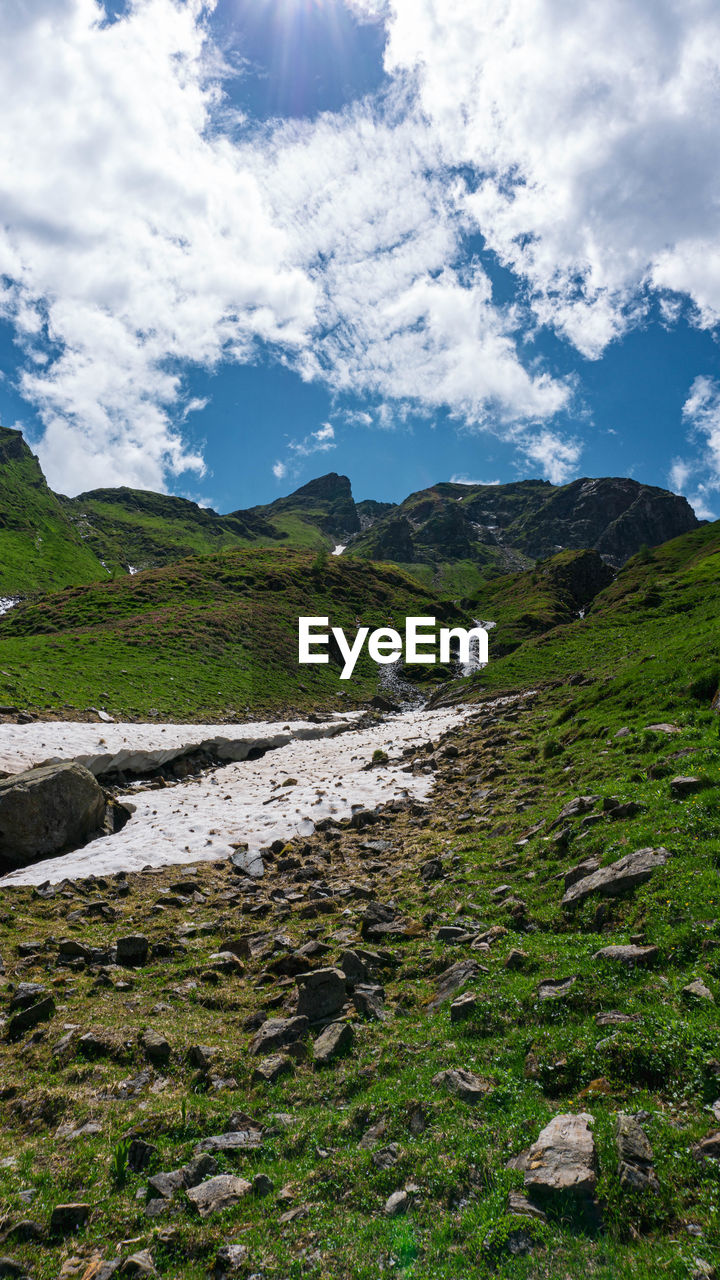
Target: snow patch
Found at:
7, 603
338, 550
281, 795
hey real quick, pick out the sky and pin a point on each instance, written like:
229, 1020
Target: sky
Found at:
247, 242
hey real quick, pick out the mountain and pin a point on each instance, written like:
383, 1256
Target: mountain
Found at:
39, 543
452, 537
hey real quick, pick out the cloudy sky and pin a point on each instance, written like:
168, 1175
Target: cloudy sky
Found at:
245, 242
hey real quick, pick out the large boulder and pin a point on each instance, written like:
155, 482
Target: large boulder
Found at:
47, 810
628, 872
561, 1166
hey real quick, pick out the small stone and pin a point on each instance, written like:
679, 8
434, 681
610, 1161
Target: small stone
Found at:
452, 979
237, 1140
516, 959
332, 1042
66, 1218
30, 1017
555, 988
386, 1157
262, 1185
628, 954
278, 1033
269, 1069
686, 786
218, 1193
132, 951
156, 1047
464, 1084
397, 1204
140, 1155
368, 1000
230, 1261
138, 1265
321, 994
635, 1157
696, 990
463, 1007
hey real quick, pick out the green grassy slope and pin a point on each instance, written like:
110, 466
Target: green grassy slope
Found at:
208, 637
655, 626
38, 542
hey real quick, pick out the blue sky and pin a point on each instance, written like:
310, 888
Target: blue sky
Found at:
247, 242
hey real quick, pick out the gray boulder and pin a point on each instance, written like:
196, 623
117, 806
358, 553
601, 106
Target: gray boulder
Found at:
332, 1042
218, 1193
47, 810
628, 872
561, 1166
321, 994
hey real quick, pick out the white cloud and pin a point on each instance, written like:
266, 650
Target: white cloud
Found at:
591, 131
279, 470
147, 229
557, 458
698, 477
133, 238
463, 479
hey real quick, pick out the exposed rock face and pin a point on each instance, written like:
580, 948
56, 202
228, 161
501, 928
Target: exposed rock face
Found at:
218, 1193
562, 1165
321, 994
46, 810
634, 869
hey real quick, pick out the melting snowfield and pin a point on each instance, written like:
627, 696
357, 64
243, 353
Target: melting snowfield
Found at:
316, 771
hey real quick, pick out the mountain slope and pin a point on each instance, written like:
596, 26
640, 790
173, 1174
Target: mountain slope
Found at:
38, 541
207, 638
454, 535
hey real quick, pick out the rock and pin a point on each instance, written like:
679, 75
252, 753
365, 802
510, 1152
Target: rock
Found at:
26, 994
140, 1155
368, 1000
516, 959
560, 1166
230, 1261
69, 1217
199, 1168
156, 1047
278, 1033
574, 808
555, 988
679, 787
221, 1192
30, 1017
262, 1185
386, 1157
696, 990
628, 810
335, 1040
519, 1204
132, 951
321, 994
453, 933
628, 872
431, 870
269, 1069
138, 1265
164, 1185
47, 810
397, 1203
463, 1007
237, 1140
709, 1146
466, 1086
12, 1270
452, 979
635, 1157
581, 871
628, 954
202, 1056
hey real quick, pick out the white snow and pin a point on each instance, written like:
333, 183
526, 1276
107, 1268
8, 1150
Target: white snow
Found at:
108, 748
338, 550
7, 602
202, 818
